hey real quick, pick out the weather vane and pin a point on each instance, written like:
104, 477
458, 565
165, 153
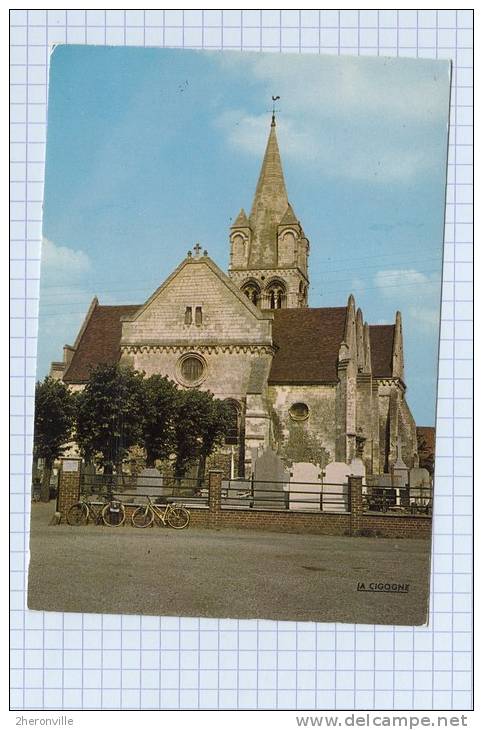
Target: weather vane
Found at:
274, 99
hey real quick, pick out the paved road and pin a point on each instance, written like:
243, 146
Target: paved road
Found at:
223, 573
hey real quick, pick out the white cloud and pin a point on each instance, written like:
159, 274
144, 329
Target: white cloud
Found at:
64, 300
416, 294
62, 262
361, 118
328, 86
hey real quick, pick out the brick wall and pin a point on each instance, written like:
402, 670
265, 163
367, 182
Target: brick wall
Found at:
354, 523
69, 485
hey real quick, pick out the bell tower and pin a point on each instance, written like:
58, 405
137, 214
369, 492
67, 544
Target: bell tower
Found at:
268, 248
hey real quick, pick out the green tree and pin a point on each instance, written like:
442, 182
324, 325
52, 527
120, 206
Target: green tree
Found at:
110, 415
200, 425
54, 419
214, 427
161, 398
426, 454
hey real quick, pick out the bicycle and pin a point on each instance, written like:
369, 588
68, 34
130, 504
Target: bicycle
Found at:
111, 512
175, 515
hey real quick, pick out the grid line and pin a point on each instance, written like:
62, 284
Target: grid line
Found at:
69, 661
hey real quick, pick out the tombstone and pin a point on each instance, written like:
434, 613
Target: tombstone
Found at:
384, 491
305, 487
151, 483
419, 477
419, 486
358, 469
237, 493
335, 490
270, 480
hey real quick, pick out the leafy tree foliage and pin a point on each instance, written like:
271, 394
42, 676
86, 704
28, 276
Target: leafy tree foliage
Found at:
110, 414
161, 397
120, 408
54, 418
426, 454
213, 428
200, 425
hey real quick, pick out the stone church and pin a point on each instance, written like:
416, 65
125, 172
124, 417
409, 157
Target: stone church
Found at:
314, 384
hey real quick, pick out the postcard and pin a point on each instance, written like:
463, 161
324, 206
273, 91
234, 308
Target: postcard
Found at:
238, 335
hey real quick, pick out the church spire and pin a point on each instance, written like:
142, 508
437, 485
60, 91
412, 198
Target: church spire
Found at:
268, 248
269, 204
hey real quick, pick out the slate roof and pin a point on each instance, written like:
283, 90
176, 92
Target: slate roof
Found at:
99, 343
308, 342
381, 337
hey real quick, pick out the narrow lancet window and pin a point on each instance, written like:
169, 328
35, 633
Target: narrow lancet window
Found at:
198, 316
188, 315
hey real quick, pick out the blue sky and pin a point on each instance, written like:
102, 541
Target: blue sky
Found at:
152, 150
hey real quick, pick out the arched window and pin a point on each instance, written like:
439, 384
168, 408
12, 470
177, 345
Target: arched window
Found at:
233, 433
276, 295
252, 291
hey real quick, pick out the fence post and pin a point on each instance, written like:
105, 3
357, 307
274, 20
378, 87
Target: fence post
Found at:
69, 485
214, 496
356, 505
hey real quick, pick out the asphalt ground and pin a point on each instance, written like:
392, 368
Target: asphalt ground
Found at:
224, 573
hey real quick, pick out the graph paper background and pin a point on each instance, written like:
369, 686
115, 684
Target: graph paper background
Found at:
75, 661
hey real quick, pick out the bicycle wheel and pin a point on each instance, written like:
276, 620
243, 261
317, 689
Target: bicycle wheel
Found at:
178, 517
142, 517
114, 514
78, 514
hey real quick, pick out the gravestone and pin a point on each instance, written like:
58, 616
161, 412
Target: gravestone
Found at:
335, 490
270, 481
419, 477
385, 491
236, 493
419, 486
305, 487
358, 469
150, 483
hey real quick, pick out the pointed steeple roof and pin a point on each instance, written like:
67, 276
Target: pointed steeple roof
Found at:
241, 221
269, 204
288, 217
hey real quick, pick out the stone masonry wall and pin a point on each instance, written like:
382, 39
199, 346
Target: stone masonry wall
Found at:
226, 318
312, 440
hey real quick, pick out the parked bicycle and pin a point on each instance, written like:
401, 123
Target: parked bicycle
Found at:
175, 515
111, 512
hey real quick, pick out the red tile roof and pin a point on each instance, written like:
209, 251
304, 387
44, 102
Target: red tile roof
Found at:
308, 342
99, 343
381, 337
427, 438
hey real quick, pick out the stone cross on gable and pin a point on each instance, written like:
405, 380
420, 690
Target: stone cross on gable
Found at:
197, 250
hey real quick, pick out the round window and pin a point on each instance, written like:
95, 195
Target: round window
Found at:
299, 411
191, 369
